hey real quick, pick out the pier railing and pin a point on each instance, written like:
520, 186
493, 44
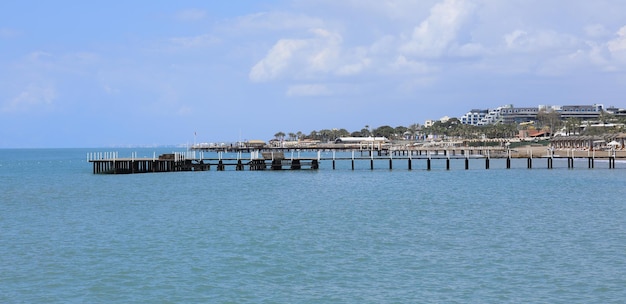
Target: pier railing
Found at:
111, 162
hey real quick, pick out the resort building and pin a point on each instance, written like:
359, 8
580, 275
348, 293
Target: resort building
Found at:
584, 112
616, 111
508, 114
474, 117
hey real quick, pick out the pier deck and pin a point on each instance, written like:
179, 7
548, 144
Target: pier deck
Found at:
110, 163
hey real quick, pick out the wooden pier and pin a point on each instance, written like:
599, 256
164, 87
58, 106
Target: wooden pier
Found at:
110, 163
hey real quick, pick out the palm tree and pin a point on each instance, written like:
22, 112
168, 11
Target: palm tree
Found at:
572, 125
280, 135
366, 131
413, 129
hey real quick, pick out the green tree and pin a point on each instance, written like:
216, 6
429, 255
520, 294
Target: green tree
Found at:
399, 132
549, 120
413, 130
280, 135
366, 131
385, 131
572, 125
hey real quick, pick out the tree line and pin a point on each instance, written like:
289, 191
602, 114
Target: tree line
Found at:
550, 122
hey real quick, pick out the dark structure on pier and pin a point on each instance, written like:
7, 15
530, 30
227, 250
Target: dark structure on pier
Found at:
176, 163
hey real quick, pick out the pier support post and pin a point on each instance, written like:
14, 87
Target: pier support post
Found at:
466, 163
487, 163
550, 161
371, 164
428, 164
591, 164
390, 164
295, 165
239, 165
570, 162
448, 163
529, 162
277, 164
410, 165
508, 163
220, 165
353, 164
333, 164
315, 164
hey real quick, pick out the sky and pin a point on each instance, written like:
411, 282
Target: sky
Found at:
139, 73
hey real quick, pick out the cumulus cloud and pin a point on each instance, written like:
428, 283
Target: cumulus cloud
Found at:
617, 47
277, 60
435, 34
619, 43
320, 54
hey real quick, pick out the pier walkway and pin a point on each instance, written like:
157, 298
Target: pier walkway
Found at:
277, 159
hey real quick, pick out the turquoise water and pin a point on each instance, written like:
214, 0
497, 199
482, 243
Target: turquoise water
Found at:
342, 236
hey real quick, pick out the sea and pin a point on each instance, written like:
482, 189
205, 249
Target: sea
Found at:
501, 235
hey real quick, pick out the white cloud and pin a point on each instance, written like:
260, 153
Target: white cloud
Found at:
617, 47
305, 58
596, 30
619, 43
325, 50
404, 65
355, 68
515, 38
435, 34
523, 41
33, 95
277, 60
469, 50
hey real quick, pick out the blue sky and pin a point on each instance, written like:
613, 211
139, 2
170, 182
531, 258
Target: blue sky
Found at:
119, 73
